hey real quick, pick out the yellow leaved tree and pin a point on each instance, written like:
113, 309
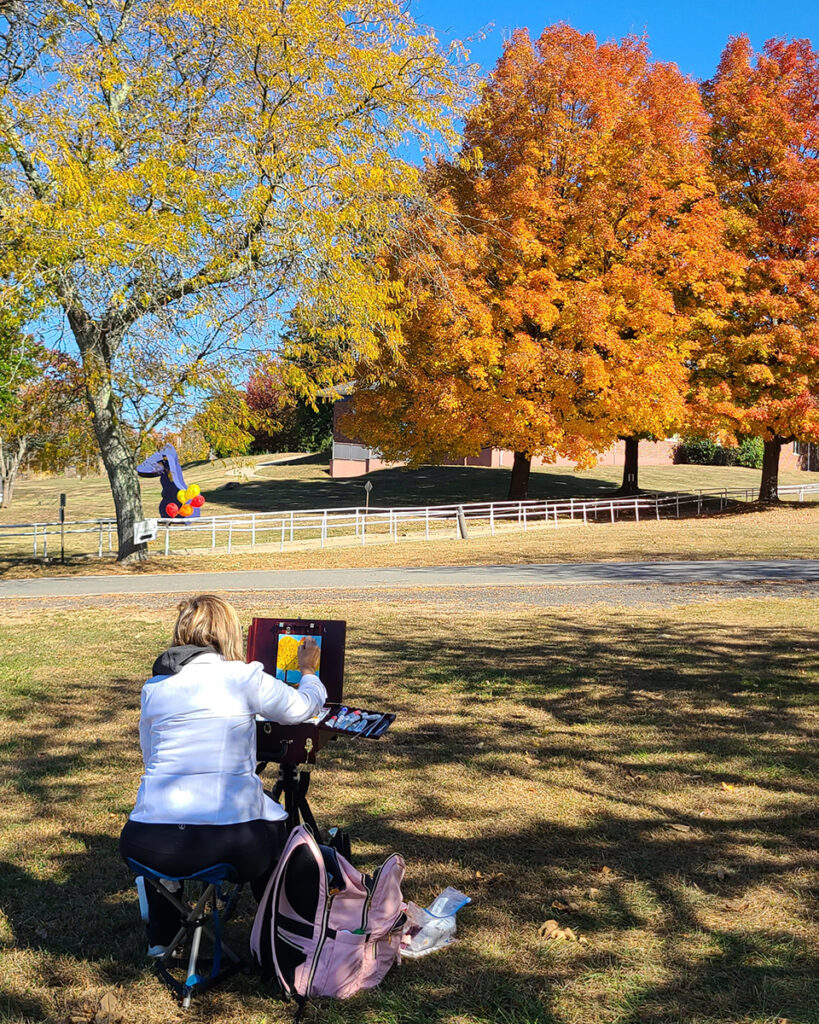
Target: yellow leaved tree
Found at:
176, 173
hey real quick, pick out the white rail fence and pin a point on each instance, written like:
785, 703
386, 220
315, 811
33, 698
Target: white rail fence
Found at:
357, 524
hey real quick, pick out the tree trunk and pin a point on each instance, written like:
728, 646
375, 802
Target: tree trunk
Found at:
519, 481
10, 460
769, 486
631, 467
120, 465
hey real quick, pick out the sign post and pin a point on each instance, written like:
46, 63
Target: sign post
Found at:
62, 529
367, 488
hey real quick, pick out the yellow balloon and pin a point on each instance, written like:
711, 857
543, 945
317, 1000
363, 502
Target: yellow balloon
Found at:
193, 491
181, 496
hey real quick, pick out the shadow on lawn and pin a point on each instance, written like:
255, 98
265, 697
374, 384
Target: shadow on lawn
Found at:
427, 485
638, 709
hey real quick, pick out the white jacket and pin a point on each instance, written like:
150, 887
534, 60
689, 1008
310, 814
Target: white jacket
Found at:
197, 730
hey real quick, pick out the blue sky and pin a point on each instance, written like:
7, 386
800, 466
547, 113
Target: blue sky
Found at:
692, 33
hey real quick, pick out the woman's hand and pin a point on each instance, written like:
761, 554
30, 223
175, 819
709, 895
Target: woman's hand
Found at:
308, 655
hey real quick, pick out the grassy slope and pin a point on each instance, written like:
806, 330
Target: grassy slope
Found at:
657, 769
305, 484
784, 532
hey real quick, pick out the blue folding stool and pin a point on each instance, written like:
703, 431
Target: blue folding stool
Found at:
194, 923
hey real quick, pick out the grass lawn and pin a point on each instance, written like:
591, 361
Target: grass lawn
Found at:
655, 768
789, 531
305, 483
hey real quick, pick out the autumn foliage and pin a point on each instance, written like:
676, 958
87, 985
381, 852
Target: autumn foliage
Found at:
759, 375
581, 233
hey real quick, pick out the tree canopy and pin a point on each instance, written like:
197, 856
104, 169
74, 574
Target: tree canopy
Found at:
581, 237
175, 173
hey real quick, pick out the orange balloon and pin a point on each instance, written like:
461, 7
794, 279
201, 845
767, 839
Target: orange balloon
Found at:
185, 510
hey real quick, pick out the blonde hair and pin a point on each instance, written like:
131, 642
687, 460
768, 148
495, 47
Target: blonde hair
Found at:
207, 620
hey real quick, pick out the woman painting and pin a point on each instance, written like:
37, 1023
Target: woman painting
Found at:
200, 801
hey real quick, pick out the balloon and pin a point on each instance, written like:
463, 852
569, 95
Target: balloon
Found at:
185, 510
171, 510
181, 497
198, 501
193, 491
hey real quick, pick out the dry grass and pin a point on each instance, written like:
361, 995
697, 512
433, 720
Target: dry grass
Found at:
658, 769
789, 531
305, 483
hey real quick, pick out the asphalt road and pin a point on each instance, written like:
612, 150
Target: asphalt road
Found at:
549, 574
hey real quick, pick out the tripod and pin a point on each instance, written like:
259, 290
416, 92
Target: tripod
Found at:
293, 782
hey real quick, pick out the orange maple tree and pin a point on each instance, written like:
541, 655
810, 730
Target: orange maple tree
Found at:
759, 374
579, 237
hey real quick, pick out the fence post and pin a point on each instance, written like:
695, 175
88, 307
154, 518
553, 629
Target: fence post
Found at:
801, 493
585, 520
167, 538
100, 544
492, 519
636, 510
281, 546
524, 517
324, 528
612, 510
253, 530
34, 553
699, 502
213, 532
571, 507
45, 541
291, 527
520, 511
427, 522
230, 535
678, 506
394, 526
657, 505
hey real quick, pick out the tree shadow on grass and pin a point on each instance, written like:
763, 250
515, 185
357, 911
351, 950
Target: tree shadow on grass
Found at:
427, 485
636, 709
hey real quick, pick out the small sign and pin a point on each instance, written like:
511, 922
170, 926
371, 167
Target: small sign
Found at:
368, 487
145, 531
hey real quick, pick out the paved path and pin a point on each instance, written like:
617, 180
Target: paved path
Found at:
551, 574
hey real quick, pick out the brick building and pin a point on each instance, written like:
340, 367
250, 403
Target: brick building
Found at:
351, 458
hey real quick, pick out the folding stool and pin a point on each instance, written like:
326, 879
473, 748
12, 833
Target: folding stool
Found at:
194, 923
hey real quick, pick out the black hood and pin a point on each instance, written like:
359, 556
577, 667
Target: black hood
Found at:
169, 662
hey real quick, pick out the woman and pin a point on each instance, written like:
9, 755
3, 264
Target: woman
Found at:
200, 801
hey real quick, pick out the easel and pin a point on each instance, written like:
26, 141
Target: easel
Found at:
292, 783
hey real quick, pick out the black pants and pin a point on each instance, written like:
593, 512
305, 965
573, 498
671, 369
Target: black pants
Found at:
252, 847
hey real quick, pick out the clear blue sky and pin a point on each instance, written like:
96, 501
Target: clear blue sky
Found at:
692, 33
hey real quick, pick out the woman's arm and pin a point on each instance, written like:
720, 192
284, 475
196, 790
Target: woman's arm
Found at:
286, 705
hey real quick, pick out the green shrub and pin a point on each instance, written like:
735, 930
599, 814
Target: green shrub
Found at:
702, 451
750, 452
698, 451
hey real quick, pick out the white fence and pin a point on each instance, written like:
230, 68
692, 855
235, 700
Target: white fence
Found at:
357, 524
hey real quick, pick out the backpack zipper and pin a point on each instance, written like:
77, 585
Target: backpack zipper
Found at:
366, 912
320, 947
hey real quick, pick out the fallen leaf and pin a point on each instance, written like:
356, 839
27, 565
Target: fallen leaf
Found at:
569, 934
593, 891
606, 870
679, 827
557, 905
548, 928
728, 785
583, 940
109, 1003
574, 907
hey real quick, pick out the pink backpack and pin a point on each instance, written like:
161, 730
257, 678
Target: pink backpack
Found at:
324, 928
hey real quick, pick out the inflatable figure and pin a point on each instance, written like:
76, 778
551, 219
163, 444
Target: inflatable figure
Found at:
177, 499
